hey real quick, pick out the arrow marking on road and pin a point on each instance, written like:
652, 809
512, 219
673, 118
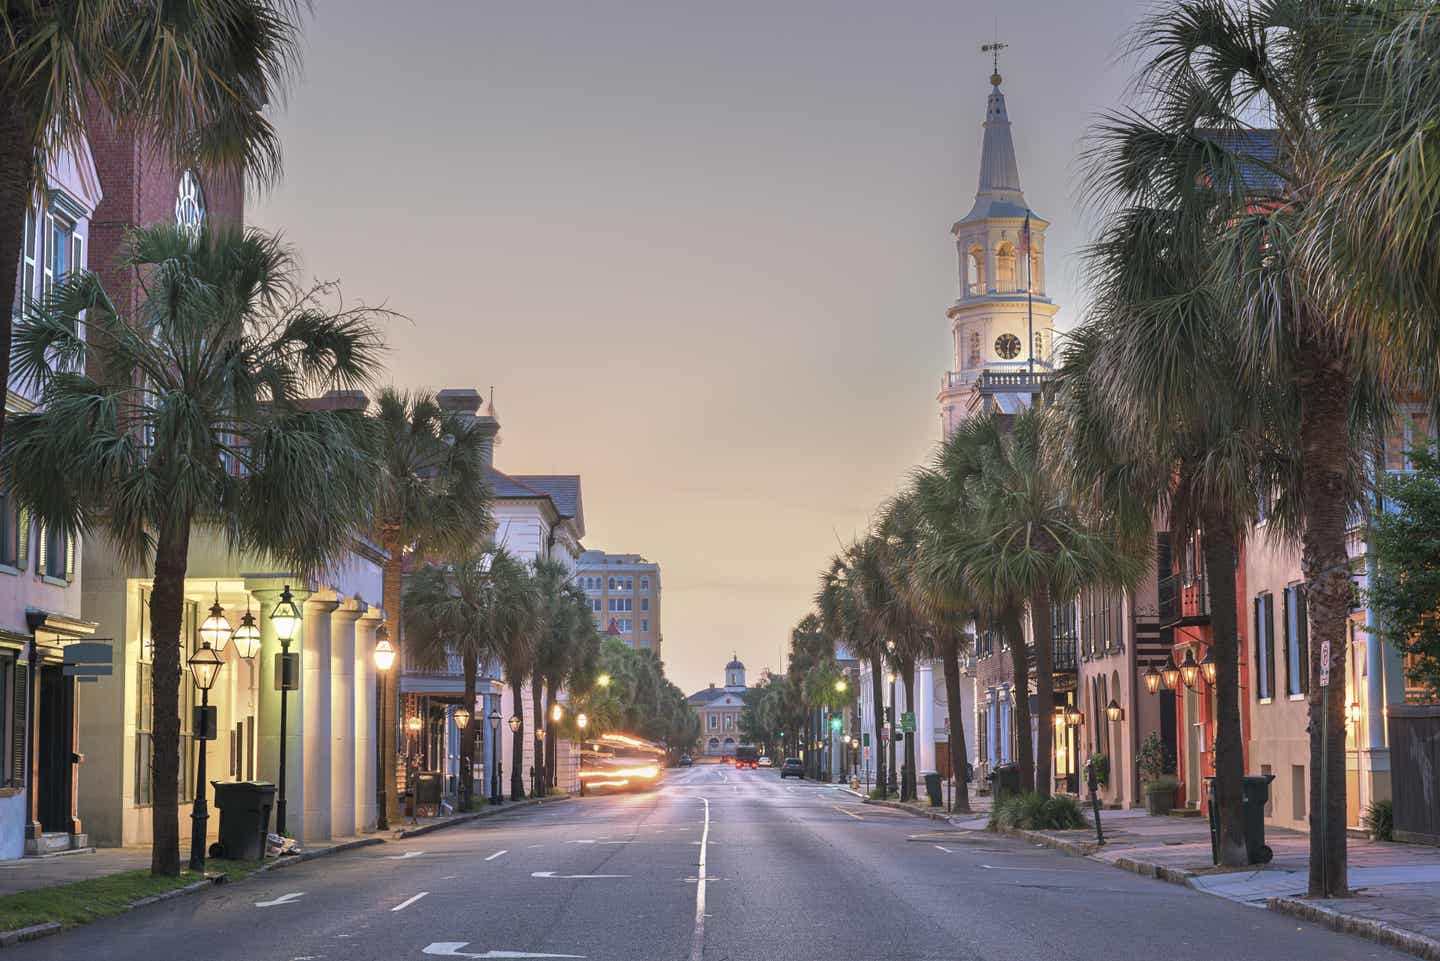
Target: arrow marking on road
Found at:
282, 899
451, 949
403, 857
572, 877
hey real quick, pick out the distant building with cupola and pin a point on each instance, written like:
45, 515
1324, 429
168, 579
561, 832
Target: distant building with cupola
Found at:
719, 709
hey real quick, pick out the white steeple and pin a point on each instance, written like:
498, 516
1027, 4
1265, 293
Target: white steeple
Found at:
1002, 321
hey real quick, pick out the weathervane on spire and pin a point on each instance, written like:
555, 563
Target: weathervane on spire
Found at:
994, 50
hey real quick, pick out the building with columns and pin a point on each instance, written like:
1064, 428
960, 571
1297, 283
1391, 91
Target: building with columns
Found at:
331, 723
719, 710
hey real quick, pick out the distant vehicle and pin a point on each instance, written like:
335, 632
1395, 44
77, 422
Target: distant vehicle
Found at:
765, 761
620, 762
747, 757
686, 760
792, 767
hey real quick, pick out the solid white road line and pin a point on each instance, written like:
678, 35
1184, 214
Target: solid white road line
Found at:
409, 901
697, 942
497, 854
941, 847
850, 813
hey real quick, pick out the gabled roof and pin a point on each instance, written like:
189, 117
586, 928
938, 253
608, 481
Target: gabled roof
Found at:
712, 694
507, 487
564, 491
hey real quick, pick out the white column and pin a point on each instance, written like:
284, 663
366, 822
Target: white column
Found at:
315, 682
364, 785
343, 634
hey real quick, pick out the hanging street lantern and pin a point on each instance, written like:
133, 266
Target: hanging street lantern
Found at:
384, 650
1114, 711
247, 634
1190, 670
1152, 679
384, 655
1207, 667
516, 722
1170, 674
204, 666
462, 717
557, 713
413, 724
215, 630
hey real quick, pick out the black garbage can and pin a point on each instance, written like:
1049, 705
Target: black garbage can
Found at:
428, 788
1004, 782
244, 818
1254, 795
932, 788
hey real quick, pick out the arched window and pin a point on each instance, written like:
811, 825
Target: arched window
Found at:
1005, 268
975, 271
1036, 279
975, 357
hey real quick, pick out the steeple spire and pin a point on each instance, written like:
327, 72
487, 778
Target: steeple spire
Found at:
999, 172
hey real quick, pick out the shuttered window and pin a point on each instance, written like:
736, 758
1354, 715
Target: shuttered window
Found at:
1297, 641
1264, 646
145, 707
19, 699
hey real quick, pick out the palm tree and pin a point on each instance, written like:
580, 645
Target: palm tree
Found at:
561, 648
838, 604
192, 414
192, 79
1029, 539
519, 620
430, 498
1305, 265
939, 595
459, 609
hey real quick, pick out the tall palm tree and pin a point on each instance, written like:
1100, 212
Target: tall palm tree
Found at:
191, 415
193, 79
519, 623
461, 609
1029, 539
1308, 288
560, 650
430, 498
838, 605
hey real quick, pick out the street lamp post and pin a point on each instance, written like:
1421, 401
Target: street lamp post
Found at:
285, 618
462, 723
582, 722
384, 660
495, 756
894, 784
205, 666
517, 783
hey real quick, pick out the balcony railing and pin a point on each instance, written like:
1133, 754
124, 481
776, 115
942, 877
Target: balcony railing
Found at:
1064, 653
1015, 380
1184, 601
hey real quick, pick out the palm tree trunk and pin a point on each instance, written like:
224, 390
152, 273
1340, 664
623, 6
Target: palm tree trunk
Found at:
1042, 630
877, 719
551, 686
1020, 667
1220, 560
517, 744
167, 607
392, 588
907, 788
537, 714
17, 184
954, 704
1326, 388
467, 733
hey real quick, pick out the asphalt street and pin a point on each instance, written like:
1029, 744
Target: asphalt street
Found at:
717, 865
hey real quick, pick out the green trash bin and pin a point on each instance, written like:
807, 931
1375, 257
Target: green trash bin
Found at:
1254, 795
244, 818
1004, 782
932, 788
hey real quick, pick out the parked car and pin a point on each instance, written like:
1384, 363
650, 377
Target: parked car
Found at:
686, 760
792, 767
765, 761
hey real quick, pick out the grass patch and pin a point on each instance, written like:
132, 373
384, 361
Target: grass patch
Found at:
81, 902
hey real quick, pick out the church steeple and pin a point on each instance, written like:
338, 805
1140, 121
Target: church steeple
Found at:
999, 173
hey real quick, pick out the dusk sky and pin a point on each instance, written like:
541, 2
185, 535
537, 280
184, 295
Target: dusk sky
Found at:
700, 250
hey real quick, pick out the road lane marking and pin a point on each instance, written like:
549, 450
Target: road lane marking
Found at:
941, 847
403, 857
1001, 867
697, 942
451, 949
409, 901
850, 813
282, 899
497, 854
573, 877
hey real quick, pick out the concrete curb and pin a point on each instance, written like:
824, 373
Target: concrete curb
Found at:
934, 815
477, 815
37, 931
1377, 931
1148, 870
1078, 849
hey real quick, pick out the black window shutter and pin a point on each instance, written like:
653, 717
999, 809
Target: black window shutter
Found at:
1302, 628
1259, 652
18, 728
1290, 682
1269, 638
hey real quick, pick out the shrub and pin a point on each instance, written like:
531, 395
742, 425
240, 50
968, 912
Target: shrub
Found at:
1101, 763
1154, 758
1162, 784
1032, 812
1380, 820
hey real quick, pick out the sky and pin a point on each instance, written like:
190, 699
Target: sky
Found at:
701, 251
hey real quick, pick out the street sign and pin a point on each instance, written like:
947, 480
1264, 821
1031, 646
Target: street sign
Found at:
865, 739
1324, 663
907, 722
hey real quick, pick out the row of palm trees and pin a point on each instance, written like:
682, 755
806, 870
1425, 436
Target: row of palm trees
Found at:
1263, 297
489, 607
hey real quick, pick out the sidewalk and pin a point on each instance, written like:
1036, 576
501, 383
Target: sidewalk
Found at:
1396, 886
415, 827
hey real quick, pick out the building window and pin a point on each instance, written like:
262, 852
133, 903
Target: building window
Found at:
729, 722
621, 605
1412, 430
976, 356
10, 519
975, 271
714, 722
1264, 646
625, 625
644, 603
595, 604
1297, 641
644, 583
1005, 269
644, 625
145, 709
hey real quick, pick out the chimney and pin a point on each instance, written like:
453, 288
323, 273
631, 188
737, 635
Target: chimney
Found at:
464, 402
